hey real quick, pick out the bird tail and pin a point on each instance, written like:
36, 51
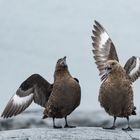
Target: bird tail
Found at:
134, 111
44, 117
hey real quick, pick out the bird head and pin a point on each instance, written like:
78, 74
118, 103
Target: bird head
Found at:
61, 69
61, 63
112, 65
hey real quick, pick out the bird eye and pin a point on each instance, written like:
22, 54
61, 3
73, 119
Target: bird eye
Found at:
59, 61
113, 64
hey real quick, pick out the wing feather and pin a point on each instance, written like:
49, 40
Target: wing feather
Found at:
35, 88
103, 47
132, 68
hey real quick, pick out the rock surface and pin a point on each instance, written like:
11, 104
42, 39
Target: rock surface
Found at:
32, 119
79, 133
89, 127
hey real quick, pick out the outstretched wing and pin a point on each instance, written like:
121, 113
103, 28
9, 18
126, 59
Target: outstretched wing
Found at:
132, 68
35, 88
103, 47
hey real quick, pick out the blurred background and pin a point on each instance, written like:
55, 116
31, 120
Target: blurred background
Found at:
34, 34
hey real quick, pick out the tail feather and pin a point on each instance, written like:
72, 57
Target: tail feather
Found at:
44, 117
134, 111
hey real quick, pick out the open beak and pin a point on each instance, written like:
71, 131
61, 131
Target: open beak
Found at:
107, 71
108, 68
63, 62
64, 58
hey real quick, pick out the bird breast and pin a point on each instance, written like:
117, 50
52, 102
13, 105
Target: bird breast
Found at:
116, 97
67, 91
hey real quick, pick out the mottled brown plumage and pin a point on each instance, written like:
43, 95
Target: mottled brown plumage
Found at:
65, 96
59, 99
116, 93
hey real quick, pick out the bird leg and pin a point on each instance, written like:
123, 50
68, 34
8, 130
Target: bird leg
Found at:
128, 128
113, 126
54, 126
66, 124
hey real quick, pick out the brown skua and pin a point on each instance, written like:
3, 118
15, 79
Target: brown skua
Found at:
116, 93
59, 99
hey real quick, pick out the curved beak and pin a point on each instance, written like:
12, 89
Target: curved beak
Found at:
108, 68
107, 71
63, 62
64, 58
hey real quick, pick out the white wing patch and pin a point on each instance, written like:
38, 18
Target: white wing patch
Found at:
21, 100
103, 47
104, 37
137, 67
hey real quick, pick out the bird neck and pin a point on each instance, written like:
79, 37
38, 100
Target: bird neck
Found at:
117, 74
61, 73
